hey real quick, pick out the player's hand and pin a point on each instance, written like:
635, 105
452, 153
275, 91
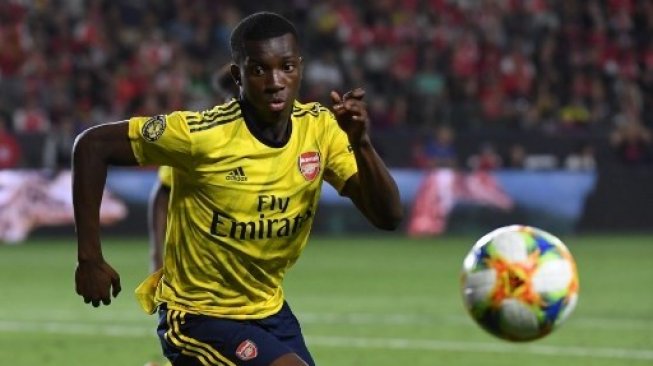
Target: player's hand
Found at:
96, 282
351, 112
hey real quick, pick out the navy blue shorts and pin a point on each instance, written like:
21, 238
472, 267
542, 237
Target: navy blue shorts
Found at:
199, 340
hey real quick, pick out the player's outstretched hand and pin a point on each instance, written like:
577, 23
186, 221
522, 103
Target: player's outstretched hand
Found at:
96, 282
351, 112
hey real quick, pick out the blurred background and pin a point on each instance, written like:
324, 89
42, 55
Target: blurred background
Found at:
519, 111
488, 112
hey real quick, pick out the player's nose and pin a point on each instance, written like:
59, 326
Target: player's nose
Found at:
275, 80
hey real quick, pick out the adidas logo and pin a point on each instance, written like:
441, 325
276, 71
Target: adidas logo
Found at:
237, 175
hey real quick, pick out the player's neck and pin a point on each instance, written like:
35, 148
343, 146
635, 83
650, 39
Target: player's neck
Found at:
274, 134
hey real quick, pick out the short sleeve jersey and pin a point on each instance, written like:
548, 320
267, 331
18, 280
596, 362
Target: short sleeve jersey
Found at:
240, 210
165, 175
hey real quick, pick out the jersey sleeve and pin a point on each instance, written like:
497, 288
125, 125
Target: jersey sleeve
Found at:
165, 175
340, 162
162, 140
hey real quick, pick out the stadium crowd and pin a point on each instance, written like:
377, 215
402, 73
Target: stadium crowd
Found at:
551, 68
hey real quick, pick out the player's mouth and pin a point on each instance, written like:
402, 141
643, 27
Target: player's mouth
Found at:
277, 105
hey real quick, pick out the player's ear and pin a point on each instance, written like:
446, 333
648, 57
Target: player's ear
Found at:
300, 67
235, 74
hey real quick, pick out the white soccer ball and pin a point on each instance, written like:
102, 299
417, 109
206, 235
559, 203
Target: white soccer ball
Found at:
519, 283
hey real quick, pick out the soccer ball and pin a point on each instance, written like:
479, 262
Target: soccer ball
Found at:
519, 283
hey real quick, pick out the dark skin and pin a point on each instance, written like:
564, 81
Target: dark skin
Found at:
269, 76
157, 221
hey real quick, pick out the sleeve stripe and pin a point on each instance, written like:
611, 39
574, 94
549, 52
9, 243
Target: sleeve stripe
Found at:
207, 117
217, 122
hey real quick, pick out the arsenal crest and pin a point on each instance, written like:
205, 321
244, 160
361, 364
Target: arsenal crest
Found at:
309, 164
246, 350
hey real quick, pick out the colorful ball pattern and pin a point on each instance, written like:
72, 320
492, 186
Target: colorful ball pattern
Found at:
519, 283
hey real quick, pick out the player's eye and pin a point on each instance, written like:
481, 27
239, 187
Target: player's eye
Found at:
258, 70
289, 67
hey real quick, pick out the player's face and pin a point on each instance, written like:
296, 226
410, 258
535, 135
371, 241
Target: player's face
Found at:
270, 75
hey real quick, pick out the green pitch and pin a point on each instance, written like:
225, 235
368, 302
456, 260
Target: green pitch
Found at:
362, 301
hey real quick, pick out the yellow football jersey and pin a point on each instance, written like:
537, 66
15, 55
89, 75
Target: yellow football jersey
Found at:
240, 209
165, 175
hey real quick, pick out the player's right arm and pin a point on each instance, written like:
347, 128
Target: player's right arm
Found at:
94, 150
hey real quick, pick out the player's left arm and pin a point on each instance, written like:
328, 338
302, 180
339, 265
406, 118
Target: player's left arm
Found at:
157, 220
372, 189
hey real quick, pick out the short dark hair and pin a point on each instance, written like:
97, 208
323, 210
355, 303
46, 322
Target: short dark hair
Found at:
256, 27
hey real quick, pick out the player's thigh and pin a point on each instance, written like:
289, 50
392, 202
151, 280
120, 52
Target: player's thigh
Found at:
285, 327
188, 338
186, 361
290, 359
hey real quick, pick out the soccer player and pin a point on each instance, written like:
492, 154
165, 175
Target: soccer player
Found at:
246, 182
